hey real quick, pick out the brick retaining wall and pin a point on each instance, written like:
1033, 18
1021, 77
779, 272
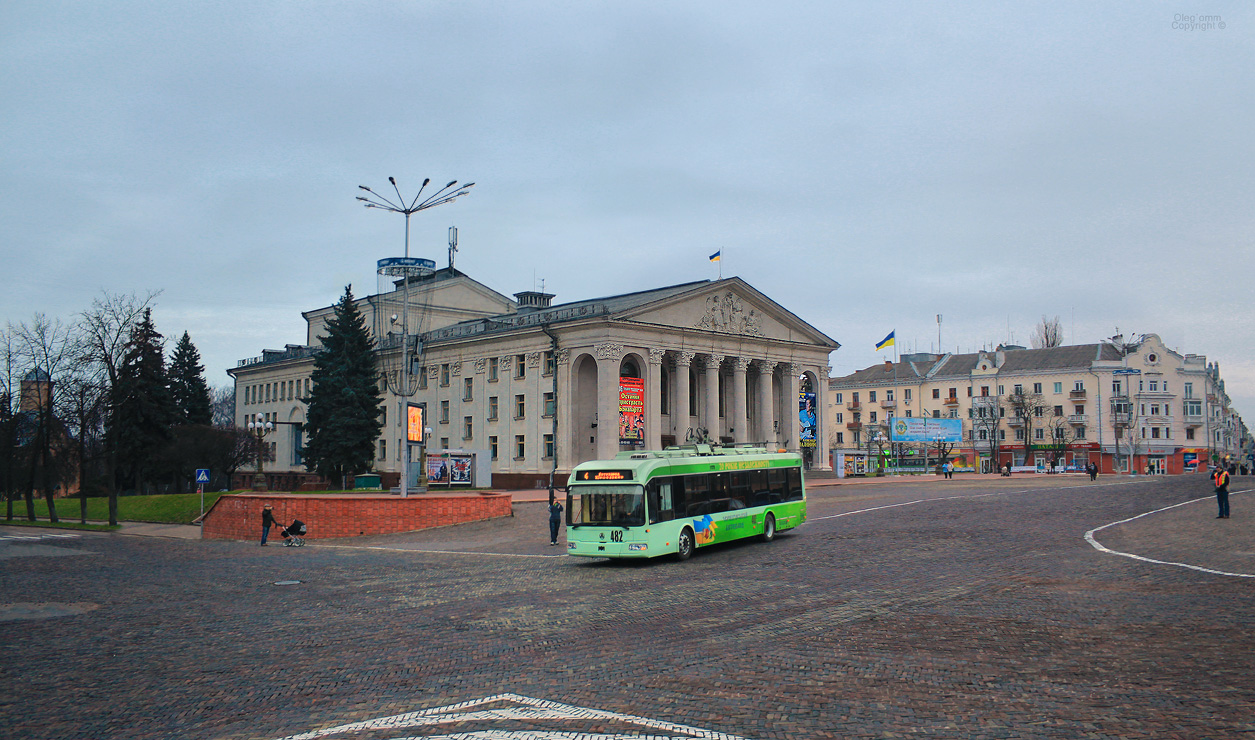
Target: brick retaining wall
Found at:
238, 516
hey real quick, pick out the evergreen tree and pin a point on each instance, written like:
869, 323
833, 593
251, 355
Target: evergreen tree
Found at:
142, 407
343, 421
188, 388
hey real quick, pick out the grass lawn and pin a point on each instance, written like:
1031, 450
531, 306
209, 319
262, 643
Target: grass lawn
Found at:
178, 508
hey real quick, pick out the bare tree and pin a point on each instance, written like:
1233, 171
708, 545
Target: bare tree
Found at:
1049, 333
107, 325
1026, 410
1124, 407
875, 437
986, 424
1062, 435
222, 405
9, 371
47, 347
84, 404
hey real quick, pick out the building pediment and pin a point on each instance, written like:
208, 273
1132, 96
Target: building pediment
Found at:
731, 307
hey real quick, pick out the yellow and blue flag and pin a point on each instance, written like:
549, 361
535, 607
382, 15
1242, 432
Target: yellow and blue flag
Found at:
715, 257
887, 341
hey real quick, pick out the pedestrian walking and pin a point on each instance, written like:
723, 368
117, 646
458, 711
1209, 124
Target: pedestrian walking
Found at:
1093, 471
267, 521
949, 470
555, 520
1221, 479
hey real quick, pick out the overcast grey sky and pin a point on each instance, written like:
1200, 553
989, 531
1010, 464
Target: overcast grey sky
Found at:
869, 166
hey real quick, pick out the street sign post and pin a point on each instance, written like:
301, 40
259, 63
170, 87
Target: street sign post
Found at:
202, 477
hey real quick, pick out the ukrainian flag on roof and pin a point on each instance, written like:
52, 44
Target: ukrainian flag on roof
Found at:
887, 341
715, 257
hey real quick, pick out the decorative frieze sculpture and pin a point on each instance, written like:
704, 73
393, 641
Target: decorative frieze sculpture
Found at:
726, 313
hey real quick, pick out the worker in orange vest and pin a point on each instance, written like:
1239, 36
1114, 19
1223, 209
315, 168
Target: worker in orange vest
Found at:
1221, 478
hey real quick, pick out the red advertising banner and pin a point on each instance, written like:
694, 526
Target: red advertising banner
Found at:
631, 410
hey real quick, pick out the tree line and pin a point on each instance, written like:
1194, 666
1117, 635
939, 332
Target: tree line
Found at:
92, 403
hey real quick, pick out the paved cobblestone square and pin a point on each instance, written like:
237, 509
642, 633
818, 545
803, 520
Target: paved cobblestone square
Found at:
972, 608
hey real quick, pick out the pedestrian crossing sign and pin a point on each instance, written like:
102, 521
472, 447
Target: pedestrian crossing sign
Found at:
202, 475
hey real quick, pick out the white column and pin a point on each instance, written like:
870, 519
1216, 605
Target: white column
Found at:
653, 397
739, 420
790, 424
680, 420
609, 358
766, 402
565, 409
710, 409
822, 435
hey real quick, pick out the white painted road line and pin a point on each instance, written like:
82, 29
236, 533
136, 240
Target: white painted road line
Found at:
1089, 537
524, 710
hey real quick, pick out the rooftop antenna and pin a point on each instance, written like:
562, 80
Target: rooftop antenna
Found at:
453, 245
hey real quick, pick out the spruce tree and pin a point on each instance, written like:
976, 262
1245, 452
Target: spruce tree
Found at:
343, 420
188, 388
142, 409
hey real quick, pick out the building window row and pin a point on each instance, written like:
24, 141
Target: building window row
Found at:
277, 391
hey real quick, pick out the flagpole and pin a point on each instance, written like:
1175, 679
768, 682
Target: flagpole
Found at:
897, 457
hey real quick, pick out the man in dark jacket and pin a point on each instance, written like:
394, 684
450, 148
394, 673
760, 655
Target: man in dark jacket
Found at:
267, 521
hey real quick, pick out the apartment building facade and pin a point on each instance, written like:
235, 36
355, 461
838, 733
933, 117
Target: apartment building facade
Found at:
1134, 406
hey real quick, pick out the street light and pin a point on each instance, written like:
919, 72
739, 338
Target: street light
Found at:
260, 429
407, 269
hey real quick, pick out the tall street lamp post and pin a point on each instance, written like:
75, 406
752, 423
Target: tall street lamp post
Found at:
408, 269
260, 429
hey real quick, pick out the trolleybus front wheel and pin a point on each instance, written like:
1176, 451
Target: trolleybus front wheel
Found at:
684, 548
769, 528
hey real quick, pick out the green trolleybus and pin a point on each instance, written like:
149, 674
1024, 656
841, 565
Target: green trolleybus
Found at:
646, 504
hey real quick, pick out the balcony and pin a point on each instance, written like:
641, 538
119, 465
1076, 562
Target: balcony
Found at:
1078, 419
1015, 421
1193, 420
888, 403
1121, 419
854, 425
951, 401
854, 405
1077, 393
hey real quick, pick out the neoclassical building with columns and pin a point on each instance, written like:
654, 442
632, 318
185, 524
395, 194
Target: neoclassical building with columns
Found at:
535, 387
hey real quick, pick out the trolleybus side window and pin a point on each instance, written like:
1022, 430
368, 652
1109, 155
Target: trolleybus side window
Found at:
794, 491
696, 495
778, 484
661, 504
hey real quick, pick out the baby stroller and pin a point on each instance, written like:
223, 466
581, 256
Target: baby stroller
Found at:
293, 534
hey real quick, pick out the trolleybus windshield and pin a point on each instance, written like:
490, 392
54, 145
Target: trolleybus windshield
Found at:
606, 505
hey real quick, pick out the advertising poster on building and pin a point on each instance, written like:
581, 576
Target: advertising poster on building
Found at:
460, 470
806, 418
632, 410
925, 429
438, 471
